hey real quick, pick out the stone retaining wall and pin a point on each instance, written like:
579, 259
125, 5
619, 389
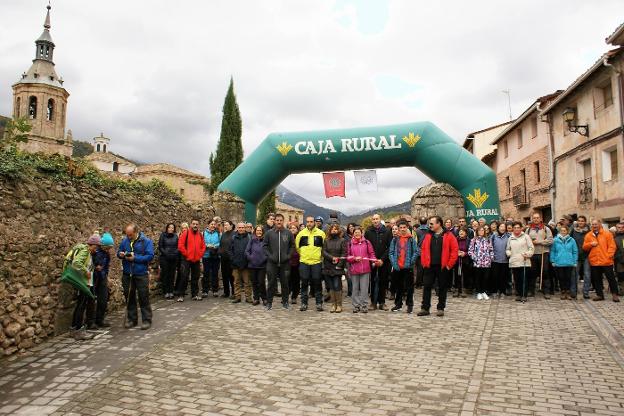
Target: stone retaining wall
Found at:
41, 219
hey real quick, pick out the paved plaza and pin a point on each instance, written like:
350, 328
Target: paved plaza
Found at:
212, 357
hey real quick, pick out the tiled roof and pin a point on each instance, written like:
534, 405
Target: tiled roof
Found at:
617, 37
166, 168
108, 157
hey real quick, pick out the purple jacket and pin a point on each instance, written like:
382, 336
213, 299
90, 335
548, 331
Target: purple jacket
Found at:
360, 248
481, 252
256, 257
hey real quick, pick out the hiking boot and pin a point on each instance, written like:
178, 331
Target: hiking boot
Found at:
130, 324
356, 310
236, 301
286, 306
146, 325
215, 294
364, 310
104, 324
410, 310
204, 294
256, 303
338, 302
383, 307
81, 335
598, 298
372, 308
319, 308
616, 297
456, 294
268, 306
396, 308
518, 298
585, 295
293, 301
440, 312
546, 296
303, 308
423, 312
333, 301
92, 327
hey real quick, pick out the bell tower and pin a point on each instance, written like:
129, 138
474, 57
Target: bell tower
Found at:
40, 97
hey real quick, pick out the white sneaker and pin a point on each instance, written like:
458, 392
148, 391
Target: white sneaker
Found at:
479, 296
485, 296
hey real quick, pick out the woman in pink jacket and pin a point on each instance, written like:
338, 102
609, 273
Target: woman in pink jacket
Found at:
360, 255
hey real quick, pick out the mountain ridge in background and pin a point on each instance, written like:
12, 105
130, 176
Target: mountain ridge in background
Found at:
286, 196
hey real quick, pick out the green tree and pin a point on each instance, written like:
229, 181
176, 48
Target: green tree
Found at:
81, 149
15, 131
229, 152
265, 207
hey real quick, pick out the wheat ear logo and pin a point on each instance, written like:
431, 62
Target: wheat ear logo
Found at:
284, 148
411, 139
478, 199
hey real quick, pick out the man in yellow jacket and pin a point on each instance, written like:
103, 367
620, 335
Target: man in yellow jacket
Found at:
309, 244
601, 247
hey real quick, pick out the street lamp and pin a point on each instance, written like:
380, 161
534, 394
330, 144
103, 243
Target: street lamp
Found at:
569, 115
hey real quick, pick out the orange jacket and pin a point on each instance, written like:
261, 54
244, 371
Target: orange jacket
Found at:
602, 254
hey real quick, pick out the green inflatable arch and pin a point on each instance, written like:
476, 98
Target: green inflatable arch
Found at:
421, 145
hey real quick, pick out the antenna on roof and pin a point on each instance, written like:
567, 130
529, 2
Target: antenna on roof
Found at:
508, 93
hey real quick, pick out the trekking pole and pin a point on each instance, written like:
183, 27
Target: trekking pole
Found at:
523, 298
461, 276
541, 272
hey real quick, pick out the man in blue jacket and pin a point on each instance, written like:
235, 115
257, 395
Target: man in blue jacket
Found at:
136, 251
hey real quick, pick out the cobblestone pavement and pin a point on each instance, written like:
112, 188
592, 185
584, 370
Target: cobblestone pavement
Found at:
484, 357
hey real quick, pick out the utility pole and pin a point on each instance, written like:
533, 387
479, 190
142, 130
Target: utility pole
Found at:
508, 93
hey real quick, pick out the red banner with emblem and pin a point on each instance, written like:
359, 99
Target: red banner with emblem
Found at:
334, 184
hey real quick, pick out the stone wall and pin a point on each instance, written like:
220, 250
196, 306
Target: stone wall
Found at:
41, 219
438, 199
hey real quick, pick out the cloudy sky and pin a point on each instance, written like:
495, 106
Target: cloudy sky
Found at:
152, 74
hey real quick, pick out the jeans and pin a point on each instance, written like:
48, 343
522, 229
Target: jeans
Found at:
430, 276
294, 282
335, 283
596, 276
100, 289
187, 268
241, 279
360, 290
134, 286
548, 285
582, 267
521, 277
500, 277
349, 284
277, 272
311, 276
167, 273
210, 279
226, 276
403, 283
565, 275
379, 283
258, 283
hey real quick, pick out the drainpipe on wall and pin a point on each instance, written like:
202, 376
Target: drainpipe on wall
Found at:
606, 63
551, 165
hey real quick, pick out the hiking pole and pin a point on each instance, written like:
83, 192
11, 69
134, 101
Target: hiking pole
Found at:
541, 272
523, 298
461, 277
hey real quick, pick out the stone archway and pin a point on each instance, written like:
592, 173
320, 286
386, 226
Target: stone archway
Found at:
422, 145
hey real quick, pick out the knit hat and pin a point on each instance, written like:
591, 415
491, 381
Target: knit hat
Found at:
107, 240
94, 240
319, 218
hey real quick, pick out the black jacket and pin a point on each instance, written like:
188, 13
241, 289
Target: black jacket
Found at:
334, 247
237, 250
226, 241
380, 239
279, 245
168, 246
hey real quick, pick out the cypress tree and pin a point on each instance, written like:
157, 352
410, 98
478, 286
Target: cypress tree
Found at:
265, 207
229, 152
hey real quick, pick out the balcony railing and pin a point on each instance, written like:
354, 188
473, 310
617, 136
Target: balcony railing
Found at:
585, 190
519, 195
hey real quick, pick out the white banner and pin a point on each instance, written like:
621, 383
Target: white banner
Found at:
366, 180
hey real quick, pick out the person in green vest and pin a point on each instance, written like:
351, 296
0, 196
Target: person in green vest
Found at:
80, 258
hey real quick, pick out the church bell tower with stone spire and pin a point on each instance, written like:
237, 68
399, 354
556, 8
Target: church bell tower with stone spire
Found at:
40, 97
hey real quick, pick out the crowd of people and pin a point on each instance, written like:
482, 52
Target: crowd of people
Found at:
383, 262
